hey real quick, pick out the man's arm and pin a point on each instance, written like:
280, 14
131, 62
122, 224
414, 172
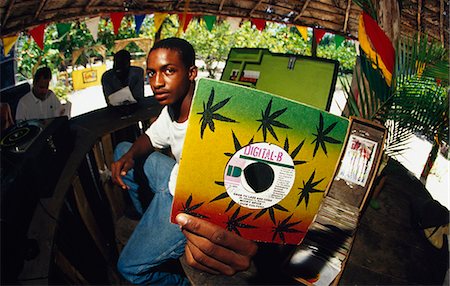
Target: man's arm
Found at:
140, 148
106, 86
213, 249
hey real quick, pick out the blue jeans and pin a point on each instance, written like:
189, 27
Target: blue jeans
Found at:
155, 239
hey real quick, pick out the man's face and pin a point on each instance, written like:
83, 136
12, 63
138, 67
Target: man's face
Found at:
169, 79
40, 87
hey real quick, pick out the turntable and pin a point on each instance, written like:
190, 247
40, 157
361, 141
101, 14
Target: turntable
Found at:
22, 136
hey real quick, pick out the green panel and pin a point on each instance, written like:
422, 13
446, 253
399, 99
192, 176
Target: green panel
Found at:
309, 80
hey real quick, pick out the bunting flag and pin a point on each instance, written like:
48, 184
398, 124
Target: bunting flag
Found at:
8, 43
38, 35
259, 23
376, 45
138, 20
234, 23
318, 34
63, 28
209, 21
303, 31
159, 19
92, 25
184, 20
116, 18
338, 40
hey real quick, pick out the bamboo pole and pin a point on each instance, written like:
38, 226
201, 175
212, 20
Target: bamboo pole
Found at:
302, 11
347, 14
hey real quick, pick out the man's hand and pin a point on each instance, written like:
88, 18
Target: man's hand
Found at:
213, 249
120, 169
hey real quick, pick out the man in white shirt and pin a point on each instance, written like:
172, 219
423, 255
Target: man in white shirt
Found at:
40, 102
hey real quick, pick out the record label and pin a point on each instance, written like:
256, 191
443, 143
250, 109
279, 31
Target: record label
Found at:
259, 175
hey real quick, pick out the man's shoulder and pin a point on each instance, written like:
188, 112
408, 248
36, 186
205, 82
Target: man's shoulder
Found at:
108, 74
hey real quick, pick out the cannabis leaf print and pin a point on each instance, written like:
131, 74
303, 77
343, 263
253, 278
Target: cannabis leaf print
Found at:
322, 136
268, 120
271, 211
237, 144
295, 151
188, 209
235, 222
209, 113
223, 195
285, 227
308, 188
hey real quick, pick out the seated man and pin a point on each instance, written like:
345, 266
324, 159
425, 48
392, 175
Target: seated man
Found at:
172, 72
40, 102
123, 75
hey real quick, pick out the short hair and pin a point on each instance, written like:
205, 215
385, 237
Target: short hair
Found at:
183, 47
43, 72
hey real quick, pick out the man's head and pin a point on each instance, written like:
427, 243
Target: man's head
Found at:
122, 64
171, 70
41, 81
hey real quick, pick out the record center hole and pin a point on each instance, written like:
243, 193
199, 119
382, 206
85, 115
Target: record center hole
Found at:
259, 176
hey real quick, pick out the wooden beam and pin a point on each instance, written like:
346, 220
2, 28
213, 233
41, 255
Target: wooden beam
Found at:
419, 12
39, 9
302, 11
441, 21
8, 11
254, 8
91, 2
221, 5
347, 14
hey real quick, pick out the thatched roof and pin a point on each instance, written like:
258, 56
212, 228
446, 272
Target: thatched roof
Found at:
337, 16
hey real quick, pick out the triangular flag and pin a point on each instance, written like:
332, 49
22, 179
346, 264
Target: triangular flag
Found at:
38, 35
159, 19
318, 34
209, 21
116, 18
138, 19
338, 40
63, 28
8, 43
184, 20
92, 25
234, 23
259, 23
303, 31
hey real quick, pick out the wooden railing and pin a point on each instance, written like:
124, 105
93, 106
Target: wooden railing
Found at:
75, 228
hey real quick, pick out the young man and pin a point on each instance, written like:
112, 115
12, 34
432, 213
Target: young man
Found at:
121, 75
40, 102
172, 72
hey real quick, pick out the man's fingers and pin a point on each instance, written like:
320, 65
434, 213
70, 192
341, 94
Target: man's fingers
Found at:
217, 235
204, 248
195, 258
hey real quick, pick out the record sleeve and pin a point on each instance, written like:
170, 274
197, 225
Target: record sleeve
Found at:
255, 163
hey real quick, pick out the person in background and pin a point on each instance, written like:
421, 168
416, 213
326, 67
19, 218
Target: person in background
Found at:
121, 75
6, 119
40, 102
172, 72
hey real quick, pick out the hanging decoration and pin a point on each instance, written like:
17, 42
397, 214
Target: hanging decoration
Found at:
209, 21
184, 20
303, 31
376, 44
92, 25
318, 35
63, 28
8, 43
159, 19
138, 19
38, 35
116, 18
234, 23
259, 23
338, 40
